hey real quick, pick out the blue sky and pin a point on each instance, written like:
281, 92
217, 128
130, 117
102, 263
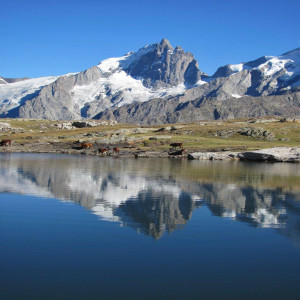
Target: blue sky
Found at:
40, 38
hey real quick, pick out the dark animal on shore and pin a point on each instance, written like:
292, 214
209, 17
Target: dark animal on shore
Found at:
179, 152
116, 150
103, 150
175, 145
6, 143
86, 145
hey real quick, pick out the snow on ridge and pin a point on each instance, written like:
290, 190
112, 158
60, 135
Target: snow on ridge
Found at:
289, 62
237, 68
110, 64
2, 79
122, 62
129, 59
272, 66
13, 93
119, 81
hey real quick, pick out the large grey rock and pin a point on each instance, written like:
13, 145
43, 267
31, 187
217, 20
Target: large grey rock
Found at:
279, 154
257, 133
83, 124
213, 155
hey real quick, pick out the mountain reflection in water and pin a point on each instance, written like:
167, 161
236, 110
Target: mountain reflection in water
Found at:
158, 195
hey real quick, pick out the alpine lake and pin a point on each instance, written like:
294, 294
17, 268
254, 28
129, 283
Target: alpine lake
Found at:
80, 227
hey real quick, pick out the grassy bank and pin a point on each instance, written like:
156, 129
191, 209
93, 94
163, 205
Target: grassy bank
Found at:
199, 136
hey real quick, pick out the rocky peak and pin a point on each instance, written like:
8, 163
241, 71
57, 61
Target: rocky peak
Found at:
166, 43
160, 65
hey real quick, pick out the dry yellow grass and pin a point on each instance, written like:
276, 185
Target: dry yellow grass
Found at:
194, 136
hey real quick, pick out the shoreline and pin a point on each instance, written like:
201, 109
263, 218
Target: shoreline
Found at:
276, 154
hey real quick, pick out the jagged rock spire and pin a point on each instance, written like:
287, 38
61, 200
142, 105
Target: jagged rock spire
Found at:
162, 66
166, 43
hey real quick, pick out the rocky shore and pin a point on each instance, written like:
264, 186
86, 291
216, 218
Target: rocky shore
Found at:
277, 154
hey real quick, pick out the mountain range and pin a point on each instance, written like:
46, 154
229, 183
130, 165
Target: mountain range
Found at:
159, 84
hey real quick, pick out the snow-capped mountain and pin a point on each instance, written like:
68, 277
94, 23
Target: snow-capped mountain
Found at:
269, 74
16, 93
154, 71
119, 87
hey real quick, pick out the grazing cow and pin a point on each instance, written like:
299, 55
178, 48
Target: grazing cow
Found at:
6, 143
116, 150
179, 152
103, 150
86, 145
175, 145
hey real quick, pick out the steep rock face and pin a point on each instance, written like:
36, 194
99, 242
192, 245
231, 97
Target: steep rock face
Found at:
55, 101
161, 111
164, 66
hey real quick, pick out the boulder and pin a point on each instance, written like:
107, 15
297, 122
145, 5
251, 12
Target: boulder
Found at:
213, 155
225, 133
160, 129
257, 133
280, 154
65, 125
83, 124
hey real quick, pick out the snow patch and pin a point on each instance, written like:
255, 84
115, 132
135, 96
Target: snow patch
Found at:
289, 62
272, 66
110, 64
200, 82
237, 68
13, 93
132, 89
119, 63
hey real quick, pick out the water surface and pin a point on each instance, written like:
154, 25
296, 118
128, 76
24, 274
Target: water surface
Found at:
75, 227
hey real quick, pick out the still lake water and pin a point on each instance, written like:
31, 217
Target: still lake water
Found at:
74, 227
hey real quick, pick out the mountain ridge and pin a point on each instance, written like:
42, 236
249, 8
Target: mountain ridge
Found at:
157, 71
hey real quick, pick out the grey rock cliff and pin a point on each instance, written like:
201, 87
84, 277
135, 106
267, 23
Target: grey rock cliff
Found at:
161, 111
165, 66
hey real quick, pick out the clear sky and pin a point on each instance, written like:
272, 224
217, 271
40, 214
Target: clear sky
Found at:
40, 38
